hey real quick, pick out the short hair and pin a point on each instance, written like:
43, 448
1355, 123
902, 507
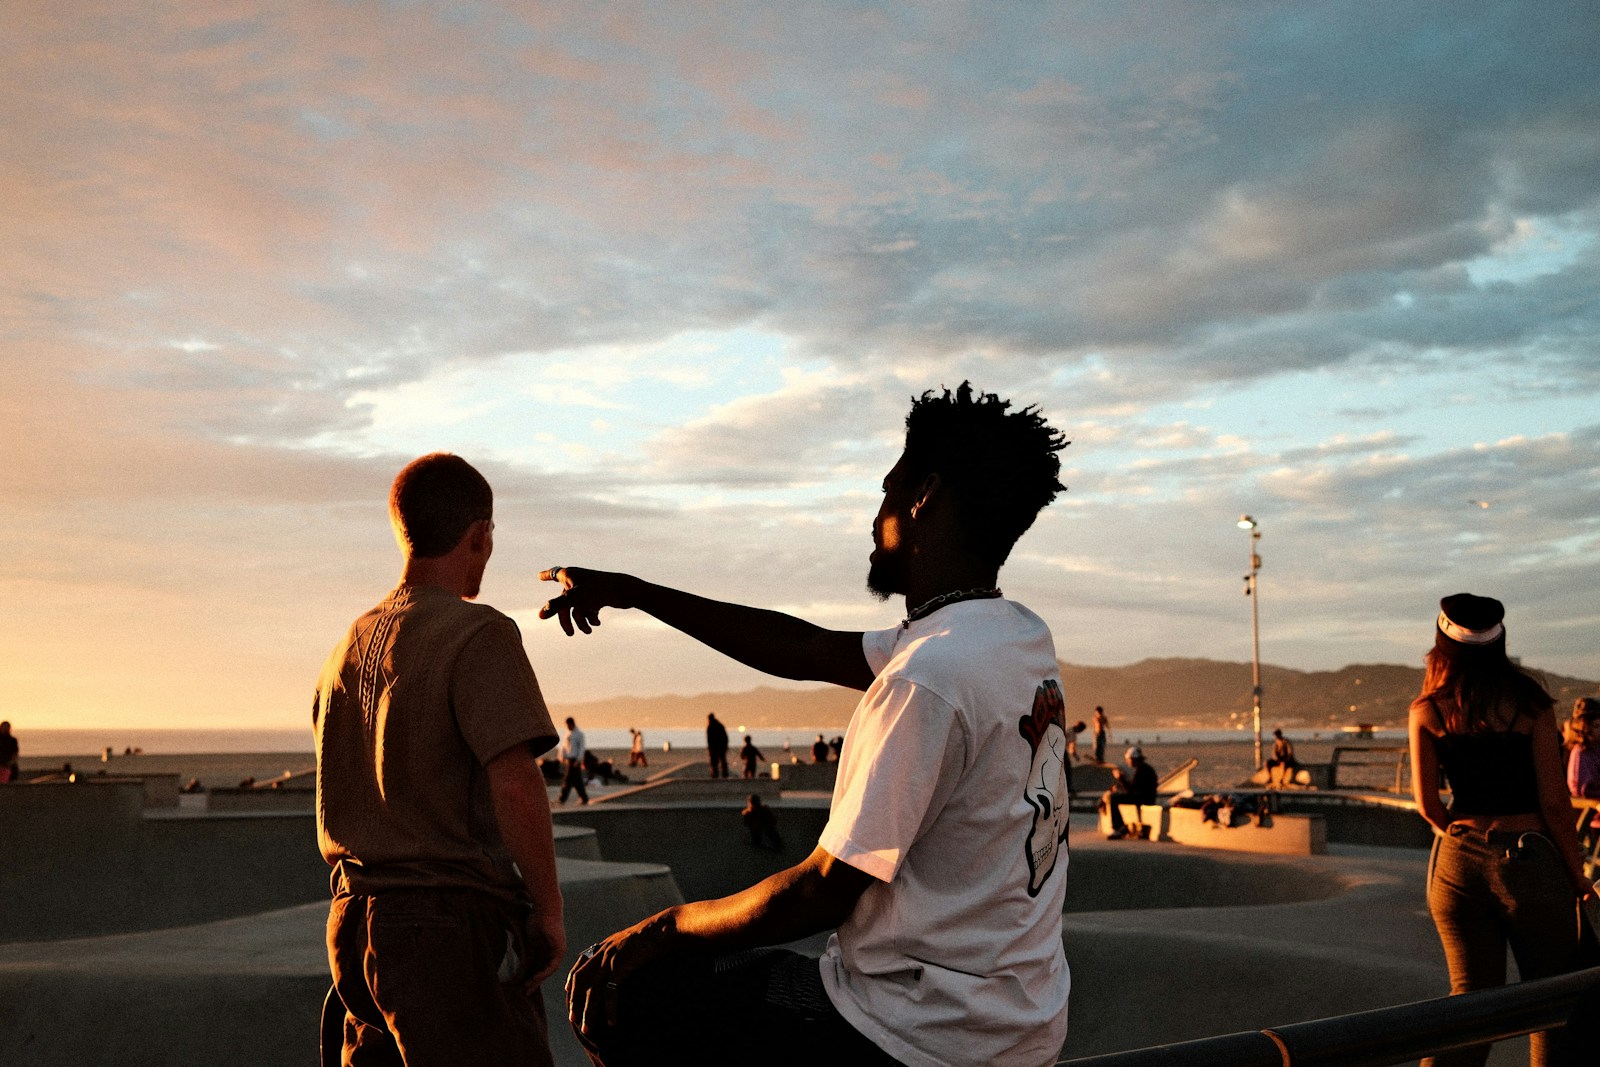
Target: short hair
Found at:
1001, 465
434, 500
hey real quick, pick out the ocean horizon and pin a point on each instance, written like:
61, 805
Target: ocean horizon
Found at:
87, 741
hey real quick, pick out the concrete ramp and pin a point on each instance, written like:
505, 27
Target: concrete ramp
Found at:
246, 990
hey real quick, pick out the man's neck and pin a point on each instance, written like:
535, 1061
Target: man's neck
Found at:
443, 572
941, 581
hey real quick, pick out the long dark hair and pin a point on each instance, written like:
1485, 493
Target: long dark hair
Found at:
1468, 685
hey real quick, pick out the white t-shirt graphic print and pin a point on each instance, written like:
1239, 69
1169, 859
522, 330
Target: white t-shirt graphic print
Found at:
948, 794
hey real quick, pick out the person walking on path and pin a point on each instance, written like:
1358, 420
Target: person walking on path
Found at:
636, 749
9, 750
942, 868
717, 746
572, 750
752, 757
1102, 733
431, 809
1505, 867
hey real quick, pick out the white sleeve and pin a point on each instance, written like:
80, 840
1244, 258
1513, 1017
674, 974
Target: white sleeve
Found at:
878, 647
905, 752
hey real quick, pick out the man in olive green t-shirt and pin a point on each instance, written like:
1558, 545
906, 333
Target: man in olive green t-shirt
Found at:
431, 808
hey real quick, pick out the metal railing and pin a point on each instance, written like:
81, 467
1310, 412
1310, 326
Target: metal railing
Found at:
1386, 1035
1395, 758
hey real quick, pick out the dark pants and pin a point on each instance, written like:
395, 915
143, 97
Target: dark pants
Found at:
719, 762
418, 971
766, 1006
1112, 798
574, 780
1487, 890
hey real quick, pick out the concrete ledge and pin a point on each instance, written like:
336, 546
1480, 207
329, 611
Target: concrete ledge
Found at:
261, 799
817, 777
246, 990
697, 790
576, 843
704, 843
1285, 835
1144, 821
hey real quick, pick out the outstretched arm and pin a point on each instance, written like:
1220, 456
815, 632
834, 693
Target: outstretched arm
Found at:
769, 641
816, 894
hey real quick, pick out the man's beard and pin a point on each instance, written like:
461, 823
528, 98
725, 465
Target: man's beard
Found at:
882, 581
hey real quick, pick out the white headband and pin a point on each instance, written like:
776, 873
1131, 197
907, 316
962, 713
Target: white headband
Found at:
1469, 637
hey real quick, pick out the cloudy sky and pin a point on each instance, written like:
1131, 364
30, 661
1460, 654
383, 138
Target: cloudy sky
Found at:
670, 273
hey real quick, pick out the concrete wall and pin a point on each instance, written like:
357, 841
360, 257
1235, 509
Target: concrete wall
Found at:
812, 777
1385, 820
87, 863
252, 799
1284, 834
705, 844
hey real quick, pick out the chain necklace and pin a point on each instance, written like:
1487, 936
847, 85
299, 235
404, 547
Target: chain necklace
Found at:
928, 607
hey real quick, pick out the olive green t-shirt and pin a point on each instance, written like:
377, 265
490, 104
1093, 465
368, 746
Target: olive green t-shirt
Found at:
424, 690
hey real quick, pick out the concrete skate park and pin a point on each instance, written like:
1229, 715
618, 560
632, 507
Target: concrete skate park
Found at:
138, 930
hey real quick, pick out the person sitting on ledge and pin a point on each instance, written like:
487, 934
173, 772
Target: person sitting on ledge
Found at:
1282, 766
1136, 788
761, 824
942, 867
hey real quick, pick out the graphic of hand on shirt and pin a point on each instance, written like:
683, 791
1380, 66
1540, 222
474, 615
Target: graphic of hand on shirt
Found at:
1045, 730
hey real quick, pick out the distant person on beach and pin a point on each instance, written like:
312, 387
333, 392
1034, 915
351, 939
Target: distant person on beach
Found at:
752, 757
717, 746
431, 809
1135, 786
942, 866
760, 824
572, 749
1505, 866
819, 750
836, 746
1102, 733
1282, 766
9, 750
636, 749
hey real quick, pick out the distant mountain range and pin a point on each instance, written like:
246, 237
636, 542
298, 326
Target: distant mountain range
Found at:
1192, 693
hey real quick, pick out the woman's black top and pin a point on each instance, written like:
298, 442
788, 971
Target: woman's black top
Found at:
1490, 773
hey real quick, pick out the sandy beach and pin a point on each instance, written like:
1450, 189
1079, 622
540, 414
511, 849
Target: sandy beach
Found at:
1222, 764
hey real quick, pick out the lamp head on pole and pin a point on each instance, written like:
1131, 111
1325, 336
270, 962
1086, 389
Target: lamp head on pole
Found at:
1246, 523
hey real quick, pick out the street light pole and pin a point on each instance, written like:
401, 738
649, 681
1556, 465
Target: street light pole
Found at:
1250, 590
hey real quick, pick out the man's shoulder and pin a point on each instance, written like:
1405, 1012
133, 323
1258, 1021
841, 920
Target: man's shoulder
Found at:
990, 634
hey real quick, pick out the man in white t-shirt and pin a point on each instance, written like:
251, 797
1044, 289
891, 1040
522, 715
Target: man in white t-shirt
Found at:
942, 868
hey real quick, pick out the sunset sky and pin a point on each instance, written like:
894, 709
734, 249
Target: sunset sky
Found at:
670, 274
